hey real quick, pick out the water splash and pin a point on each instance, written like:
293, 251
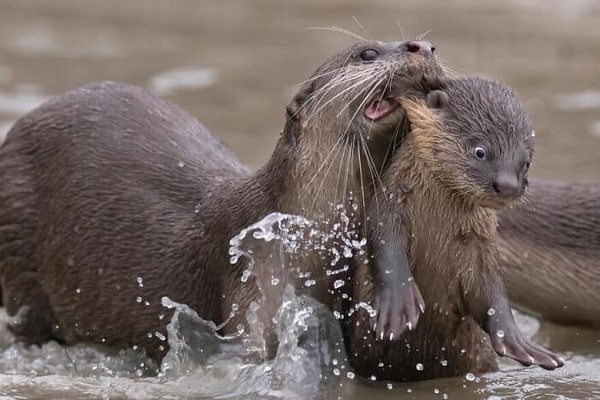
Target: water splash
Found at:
310, 342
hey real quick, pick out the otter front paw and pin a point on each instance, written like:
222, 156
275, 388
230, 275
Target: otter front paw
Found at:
513, 344
397, 309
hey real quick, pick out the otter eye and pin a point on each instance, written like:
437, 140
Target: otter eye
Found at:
480, 152
369, 55
527, 164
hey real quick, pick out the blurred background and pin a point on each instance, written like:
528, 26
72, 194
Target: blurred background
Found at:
234, 64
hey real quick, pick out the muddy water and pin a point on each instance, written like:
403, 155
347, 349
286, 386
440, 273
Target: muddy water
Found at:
234, 65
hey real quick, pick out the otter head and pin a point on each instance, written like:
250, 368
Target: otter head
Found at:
479, 140
345, 119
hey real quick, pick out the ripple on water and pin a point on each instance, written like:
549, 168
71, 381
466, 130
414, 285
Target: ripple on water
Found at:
170, 81
20, 102
44, 39
579, 101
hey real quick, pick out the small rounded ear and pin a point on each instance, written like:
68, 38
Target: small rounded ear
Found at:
303, 94
437, 99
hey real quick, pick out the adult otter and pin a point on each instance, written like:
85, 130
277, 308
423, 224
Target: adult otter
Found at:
456, 167
550, 252
111, 198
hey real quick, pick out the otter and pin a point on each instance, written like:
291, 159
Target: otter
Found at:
111, 198
467, 156
550, 252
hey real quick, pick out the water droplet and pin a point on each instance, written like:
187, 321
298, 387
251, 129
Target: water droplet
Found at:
338, 283
491, 312
149, 334
444, 363
140, 281
436, 391
161, 316
470, 377
532, 133
445, 396
350, 375
160, 336
336, 372
373, 378
380, 365
419, 367
181, 164
409, 390
309, 282
274, 281
146, 303
235, 307
138, 299
500, 333
389, 386
78, 290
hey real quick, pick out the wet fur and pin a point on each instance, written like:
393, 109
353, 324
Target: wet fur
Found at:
107, 184
452, 241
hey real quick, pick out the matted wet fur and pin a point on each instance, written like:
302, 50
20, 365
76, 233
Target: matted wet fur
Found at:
111, 198
466, 156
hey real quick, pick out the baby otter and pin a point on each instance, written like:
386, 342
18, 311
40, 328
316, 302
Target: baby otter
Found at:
111, 198
467, 156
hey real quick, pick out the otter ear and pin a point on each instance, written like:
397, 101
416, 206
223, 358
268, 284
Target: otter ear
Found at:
437, 99
299, 100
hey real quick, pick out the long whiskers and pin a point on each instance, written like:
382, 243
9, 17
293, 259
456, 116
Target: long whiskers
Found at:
422, 35
338, 30
360, 76
361, 26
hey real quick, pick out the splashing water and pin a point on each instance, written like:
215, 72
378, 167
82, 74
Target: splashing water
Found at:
310, 360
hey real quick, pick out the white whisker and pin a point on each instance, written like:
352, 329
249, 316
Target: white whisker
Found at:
338, 30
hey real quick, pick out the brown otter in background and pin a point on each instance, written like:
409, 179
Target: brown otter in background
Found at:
111, 198
550, 252
458, 165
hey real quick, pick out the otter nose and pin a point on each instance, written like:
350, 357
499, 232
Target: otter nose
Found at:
419, 46
506, 185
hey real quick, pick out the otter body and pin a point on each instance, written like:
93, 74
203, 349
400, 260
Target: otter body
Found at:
111, 198
458, 165
550, 252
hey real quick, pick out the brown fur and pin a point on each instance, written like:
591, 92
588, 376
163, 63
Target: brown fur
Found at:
435, 188
550, 252
107, 184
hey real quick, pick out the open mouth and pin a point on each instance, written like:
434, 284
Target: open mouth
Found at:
380, 108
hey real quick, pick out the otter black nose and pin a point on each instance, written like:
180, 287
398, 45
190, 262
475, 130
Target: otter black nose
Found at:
506, 185
419, 46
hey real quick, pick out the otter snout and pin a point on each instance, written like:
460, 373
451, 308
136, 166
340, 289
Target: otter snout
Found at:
418, 46
506, 185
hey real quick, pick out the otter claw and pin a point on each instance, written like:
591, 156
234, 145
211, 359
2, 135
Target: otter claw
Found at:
397, 310
515, 346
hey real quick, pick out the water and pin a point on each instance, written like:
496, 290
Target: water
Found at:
234, 65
